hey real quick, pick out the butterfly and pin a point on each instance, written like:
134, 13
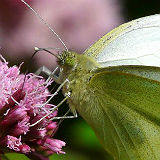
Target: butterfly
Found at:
115, 86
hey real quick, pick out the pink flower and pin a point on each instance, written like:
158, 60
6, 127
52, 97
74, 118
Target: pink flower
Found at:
15, 144
21, 100
54, 145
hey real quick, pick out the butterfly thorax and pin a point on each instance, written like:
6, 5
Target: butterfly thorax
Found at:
78, 69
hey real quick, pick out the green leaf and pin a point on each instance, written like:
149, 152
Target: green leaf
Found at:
69, 156
15, 156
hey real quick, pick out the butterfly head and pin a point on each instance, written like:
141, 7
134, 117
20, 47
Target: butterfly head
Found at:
67, 59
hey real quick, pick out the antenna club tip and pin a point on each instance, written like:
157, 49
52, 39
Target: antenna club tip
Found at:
36, 48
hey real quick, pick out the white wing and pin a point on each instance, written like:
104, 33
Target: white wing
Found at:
133, 43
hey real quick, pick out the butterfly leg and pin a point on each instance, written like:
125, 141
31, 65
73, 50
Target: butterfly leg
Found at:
43, 69
61, 120
65, 116
55, 108
75, 115
48, 72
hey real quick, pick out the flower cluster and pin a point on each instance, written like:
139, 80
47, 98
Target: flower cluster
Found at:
22, 101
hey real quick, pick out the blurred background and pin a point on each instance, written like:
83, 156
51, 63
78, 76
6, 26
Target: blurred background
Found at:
79, 23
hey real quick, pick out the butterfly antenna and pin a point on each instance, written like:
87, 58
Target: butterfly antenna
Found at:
44, 49
45, 23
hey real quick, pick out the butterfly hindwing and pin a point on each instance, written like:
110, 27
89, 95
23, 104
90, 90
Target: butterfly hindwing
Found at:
127, 107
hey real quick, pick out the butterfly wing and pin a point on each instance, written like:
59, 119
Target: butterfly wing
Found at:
148, 72
134, 43
124, 111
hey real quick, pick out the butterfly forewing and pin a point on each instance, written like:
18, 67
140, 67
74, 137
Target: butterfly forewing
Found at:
133, 43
